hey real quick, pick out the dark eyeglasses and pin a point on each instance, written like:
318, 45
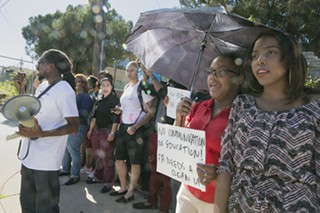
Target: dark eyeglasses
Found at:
220, 72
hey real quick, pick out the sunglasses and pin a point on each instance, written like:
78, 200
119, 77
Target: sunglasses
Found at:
220, 72
39, 63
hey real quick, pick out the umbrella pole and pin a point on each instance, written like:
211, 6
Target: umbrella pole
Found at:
195, 74
203, 46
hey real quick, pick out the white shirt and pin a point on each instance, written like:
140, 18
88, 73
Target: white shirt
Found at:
56, 104
131, 107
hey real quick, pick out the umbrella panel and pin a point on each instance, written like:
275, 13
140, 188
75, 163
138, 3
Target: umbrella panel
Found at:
169, 41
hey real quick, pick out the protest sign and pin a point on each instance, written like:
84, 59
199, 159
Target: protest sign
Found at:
175, 96
179, 151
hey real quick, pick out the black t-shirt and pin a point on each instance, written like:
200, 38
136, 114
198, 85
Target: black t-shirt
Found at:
102, 114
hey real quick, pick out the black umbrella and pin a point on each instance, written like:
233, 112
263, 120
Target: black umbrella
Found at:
181, 43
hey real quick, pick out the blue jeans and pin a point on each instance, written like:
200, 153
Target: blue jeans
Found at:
72, 152
40, 191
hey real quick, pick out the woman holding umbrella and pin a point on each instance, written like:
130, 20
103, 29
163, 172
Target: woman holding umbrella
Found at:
270, 156
224, 82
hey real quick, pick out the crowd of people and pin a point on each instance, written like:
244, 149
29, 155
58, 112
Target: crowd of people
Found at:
261, 124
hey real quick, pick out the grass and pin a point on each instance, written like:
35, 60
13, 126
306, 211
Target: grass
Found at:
6, 196
3, 196
7, 88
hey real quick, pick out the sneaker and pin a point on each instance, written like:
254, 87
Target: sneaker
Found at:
63, 173
72, 181
92, 180
86, 170
90, 174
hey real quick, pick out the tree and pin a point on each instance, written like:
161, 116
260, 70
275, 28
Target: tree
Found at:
300, 18
73, 32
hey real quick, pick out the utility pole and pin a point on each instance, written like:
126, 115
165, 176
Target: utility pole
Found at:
21, 61
16, 59
100, 27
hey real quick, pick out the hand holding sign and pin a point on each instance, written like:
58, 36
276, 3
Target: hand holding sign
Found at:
179, 151
184, 107
206, 173
175, 96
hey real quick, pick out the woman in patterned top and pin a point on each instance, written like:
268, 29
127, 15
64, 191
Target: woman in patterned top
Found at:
270, 154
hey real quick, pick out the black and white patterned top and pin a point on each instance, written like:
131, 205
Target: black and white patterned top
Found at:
273, 157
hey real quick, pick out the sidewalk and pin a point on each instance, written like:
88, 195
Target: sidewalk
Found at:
77, 198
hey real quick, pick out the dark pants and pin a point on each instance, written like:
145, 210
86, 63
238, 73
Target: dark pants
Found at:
103, 155
175, 186
158, 178
40, 191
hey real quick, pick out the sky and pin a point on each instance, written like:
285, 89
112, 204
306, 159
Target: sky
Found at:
15, 14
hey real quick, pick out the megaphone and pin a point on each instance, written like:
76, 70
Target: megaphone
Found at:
21, 108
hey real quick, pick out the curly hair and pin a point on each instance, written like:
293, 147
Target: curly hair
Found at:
84, 81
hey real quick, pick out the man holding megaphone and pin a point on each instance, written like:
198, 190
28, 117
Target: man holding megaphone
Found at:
44, 144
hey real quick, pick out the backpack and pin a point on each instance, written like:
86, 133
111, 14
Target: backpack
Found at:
149, 90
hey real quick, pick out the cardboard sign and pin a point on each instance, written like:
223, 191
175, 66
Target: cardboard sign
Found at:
179, 151
175, 96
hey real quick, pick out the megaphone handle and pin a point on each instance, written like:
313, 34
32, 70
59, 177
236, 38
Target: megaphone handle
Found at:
12, 136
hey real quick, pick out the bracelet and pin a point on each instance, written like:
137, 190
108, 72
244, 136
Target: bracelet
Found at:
112, 133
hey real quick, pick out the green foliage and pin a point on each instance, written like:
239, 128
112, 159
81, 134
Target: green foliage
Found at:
2, 196
300, 18
313, 83
8, 89
74, 32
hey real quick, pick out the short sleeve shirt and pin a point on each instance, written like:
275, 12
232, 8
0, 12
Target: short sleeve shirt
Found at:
131, 107
56, 104
200, 119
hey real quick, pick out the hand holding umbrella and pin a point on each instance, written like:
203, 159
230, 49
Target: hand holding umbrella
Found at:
183, 109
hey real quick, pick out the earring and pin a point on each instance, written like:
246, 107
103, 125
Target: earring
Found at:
253, 89
289, 77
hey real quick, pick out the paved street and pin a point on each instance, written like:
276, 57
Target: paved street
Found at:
78, 198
